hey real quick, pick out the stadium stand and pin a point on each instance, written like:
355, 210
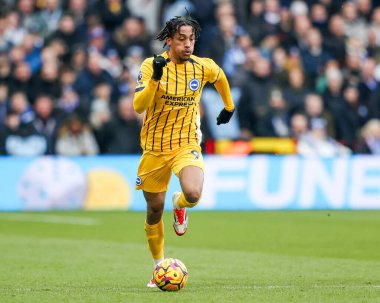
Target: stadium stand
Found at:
288, 62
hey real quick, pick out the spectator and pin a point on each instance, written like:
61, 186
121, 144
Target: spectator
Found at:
352, 68
224, 37
352, 116
30, 20
133, 60
51, 15
32, 48
374, 104
298, 36
67, 77
21, 80
5, 46
276, 122
316, 143
373, 49
67, 33
298, 8
91, 75
299, 125
47, 81
130, 34
101, 106
113, 13
364, 8
2, 139
16, 55
254, 102
296, 91
112, 63
368, 83
315, 110
255, 21
233, 130
98, 40
280, 71
20, 105
370, 138
375, 22
125, 83
355, 25
5, 70
78, 59
335, 40
3, 103
151, 11
319, 17
286, 24
22, 139
75, 138
120, 135
332, 95
69, 102
78, 9
271, 17
314, 56
14, 32
47, 120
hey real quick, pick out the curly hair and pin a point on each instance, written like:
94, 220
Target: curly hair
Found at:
174, 24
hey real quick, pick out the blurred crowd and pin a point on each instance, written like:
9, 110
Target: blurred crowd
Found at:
307, 70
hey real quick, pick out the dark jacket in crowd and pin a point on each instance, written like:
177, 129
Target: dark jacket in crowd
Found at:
120, 136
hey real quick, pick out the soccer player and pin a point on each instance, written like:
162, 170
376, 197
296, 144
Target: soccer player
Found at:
168, 90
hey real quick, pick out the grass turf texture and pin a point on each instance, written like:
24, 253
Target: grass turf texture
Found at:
305, 256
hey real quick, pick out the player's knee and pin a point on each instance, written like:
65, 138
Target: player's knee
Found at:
154, 212
155, 209
154, 215
193, 197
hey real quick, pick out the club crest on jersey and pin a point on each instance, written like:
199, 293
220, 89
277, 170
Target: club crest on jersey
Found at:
139, 77
138, 181
196, 154
194, 84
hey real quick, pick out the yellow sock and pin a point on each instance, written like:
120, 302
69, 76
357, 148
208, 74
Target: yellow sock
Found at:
182, 202
155, 237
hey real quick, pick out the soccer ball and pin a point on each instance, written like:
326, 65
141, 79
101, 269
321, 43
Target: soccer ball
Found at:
170, 275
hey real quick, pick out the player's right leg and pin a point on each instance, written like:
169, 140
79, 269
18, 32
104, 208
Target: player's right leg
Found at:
154, 227
153, 177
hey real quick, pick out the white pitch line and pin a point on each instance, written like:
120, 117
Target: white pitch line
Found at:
298, 286
135, 289
49, 219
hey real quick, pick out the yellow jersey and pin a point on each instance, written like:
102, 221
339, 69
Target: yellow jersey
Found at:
171, 105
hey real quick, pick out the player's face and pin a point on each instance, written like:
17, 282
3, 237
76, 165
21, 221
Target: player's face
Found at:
182, 44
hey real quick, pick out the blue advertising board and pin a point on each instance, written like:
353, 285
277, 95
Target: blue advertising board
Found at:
259, 182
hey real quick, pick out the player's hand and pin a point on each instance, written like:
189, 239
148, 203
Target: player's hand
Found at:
158, 67
224, 117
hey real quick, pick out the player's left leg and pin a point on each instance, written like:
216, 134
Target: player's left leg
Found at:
188, 166
191, 180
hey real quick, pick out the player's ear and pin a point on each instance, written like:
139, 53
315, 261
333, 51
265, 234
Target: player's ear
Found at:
168, 41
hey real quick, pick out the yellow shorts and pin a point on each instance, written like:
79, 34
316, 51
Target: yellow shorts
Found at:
155, 170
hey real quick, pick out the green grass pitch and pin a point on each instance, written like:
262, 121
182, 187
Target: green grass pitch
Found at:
276, 256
